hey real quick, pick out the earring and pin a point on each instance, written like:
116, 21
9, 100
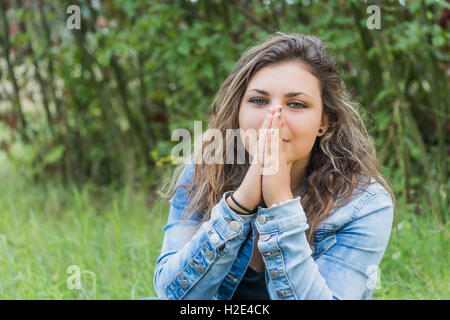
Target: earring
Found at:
320, 130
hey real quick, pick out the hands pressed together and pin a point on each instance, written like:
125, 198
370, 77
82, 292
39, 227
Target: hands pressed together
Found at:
269, 175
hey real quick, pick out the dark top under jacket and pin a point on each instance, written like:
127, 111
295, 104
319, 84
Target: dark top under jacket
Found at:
252, 287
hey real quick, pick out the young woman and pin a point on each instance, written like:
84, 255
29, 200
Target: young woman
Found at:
316, 227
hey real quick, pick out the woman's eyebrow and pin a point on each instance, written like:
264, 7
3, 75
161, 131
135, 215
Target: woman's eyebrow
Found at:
289, 95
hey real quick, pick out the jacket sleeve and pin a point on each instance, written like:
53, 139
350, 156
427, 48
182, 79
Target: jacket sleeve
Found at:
344, 271
195, 257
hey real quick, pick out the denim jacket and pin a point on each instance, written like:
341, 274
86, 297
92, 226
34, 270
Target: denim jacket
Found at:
209, 261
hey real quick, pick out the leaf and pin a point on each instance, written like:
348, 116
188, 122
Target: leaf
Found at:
438, 40
382, 95
54, 155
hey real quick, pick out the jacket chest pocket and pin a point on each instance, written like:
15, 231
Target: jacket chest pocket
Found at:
324, 239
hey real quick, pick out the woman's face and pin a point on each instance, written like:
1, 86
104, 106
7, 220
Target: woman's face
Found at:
289, 85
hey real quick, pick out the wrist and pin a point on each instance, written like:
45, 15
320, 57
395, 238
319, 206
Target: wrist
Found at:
233, 206
279, 199
243, 201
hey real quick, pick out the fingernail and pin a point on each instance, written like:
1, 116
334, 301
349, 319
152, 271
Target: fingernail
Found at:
281, 109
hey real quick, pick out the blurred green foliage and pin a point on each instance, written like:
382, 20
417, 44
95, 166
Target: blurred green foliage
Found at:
99, 104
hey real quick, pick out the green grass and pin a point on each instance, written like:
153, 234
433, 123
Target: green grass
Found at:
117, 235
44, 229
416, 262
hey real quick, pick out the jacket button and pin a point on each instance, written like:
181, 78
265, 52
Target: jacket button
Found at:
200, 269
234, 225
184, 284
281, 294
214, 238
262, 219
209, 254
274, 275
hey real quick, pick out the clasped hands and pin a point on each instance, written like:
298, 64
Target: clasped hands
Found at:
269, 175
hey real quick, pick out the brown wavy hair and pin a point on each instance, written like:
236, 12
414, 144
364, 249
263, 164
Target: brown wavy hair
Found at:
340, 159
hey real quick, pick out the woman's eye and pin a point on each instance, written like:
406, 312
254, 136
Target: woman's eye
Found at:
256, 100
297, 105
293, 105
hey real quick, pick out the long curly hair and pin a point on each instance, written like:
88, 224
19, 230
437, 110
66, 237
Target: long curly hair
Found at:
340, 159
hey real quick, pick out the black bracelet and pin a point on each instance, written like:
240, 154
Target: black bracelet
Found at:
242, 207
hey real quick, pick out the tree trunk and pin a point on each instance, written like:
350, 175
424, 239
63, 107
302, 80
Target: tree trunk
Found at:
18, 110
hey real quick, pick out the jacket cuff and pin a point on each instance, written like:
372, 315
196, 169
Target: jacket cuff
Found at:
285, 215
229, 222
